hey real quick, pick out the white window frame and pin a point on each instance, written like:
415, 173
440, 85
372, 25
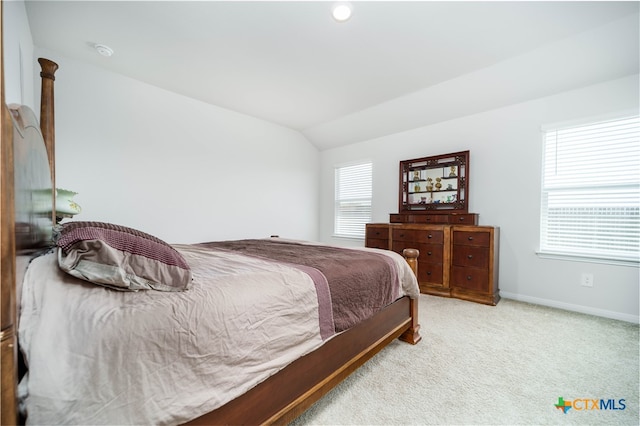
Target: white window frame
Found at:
590, 193
353, 199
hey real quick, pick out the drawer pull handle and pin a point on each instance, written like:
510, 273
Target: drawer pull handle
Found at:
428, 219
470, 256
470, 238
429, 253
468, 277
461, 219
429, 236
428, 272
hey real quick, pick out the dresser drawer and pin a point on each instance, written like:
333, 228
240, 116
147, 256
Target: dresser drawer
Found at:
474, 256
397, 218
463, 219
430, 253
429, 236
470, 278
404, 235
378, 232
472, 238
431, 218
430, 272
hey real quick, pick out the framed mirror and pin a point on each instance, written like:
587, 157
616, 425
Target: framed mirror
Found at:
437, 184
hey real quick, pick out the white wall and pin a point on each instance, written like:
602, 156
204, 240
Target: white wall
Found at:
505, 163
18, 54
175, 167
147, 158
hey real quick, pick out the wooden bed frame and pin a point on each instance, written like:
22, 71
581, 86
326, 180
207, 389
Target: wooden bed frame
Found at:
279, 399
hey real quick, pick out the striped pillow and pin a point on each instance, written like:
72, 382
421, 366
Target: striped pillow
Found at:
121, 258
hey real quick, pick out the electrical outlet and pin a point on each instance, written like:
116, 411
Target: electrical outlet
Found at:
586, 280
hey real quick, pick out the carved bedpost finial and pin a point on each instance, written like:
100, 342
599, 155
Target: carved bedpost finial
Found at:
411, 255
47, 123
48, 67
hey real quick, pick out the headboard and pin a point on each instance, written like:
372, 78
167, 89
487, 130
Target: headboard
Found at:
27, 212
32, 184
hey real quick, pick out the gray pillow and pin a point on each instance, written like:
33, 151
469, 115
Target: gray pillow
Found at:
122, 258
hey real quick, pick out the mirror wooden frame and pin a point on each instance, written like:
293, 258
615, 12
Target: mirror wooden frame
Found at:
436, 184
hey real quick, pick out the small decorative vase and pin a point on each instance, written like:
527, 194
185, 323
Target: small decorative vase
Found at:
429, 184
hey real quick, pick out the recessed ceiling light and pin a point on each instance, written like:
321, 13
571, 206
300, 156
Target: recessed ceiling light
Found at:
341, 12
103, 50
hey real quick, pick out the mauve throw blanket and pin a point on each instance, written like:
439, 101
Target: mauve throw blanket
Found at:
360, 282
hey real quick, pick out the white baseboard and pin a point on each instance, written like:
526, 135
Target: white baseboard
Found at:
571, 307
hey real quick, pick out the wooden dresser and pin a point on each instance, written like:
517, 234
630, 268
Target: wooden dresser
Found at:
457, 257
458, 261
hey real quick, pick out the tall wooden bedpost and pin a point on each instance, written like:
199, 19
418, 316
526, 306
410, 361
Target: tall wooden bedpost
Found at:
8, 344
47, 124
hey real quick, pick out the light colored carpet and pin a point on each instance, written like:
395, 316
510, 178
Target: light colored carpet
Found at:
480, 364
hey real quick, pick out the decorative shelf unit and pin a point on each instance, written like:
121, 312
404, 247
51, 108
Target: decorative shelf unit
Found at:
437, 184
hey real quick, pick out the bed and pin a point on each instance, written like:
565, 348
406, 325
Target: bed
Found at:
319, 337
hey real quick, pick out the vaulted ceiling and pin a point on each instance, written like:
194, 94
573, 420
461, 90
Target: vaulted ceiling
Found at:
392, 66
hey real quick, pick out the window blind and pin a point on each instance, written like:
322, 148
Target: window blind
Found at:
352, 199
591, 191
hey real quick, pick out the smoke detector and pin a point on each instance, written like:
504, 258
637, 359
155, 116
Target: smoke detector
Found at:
103, 50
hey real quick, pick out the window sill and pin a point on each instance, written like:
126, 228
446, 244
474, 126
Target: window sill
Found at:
589, 259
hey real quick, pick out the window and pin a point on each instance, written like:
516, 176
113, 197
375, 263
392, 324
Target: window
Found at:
353, 199
591, 191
